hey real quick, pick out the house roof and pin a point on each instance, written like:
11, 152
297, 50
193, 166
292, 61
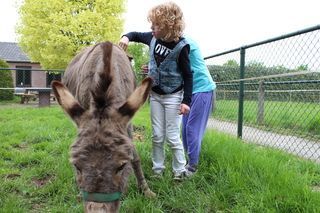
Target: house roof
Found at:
11, 52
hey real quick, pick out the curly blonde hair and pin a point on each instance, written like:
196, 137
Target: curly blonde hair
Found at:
169, 17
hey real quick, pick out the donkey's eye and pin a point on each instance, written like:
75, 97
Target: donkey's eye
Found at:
77, 168
120, 168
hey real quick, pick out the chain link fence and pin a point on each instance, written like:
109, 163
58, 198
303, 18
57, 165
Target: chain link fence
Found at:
269, 92
28, 84
30, 77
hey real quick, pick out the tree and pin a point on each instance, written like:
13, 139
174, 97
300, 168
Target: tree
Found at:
5, 82
52, 32
256, 64
302, 67
140, 55
231, 63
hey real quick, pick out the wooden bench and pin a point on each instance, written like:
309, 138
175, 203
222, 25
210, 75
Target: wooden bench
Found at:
26, 97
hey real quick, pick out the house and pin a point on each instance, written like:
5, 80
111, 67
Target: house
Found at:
25, 73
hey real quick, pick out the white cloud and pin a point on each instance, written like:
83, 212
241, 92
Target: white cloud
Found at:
216, 25
8, 19
222, 25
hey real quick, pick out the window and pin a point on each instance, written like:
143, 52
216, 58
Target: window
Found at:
23, 76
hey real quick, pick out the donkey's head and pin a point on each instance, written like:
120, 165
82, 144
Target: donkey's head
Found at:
103, 151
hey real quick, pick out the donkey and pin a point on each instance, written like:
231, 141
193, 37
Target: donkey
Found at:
98, 93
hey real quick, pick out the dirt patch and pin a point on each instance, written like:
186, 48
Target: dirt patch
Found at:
42, 181
12, 176
316, 188
139, 133
20, 146
138, 137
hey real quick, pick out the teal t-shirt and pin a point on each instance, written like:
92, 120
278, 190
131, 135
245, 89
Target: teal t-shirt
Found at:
202, 80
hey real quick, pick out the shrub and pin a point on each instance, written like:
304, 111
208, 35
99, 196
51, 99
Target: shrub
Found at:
6, 81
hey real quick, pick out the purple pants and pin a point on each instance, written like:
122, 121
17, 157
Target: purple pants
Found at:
194, 124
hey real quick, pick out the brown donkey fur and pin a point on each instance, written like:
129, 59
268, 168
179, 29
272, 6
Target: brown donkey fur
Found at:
98, 92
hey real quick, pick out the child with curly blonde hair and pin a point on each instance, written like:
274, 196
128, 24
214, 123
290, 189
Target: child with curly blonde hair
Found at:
170, 97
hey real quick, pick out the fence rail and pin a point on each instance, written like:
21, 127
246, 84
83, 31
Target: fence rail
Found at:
31, 77
271, 88
267, 92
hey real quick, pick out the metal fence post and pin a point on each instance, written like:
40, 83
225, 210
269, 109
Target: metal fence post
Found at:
271, 95
241, 91
260, 115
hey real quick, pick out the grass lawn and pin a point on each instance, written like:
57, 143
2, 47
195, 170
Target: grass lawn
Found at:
36, 175
297, 118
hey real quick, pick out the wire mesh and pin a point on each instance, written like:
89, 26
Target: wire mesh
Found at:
281, 94
27, 77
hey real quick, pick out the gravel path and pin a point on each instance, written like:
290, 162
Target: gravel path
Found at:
299, 146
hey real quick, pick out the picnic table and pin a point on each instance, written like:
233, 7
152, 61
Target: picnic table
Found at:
31, 93
43, 94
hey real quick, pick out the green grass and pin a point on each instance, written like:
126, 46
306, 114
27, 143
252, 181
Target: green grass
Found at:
15, 100
297, 118
233, 176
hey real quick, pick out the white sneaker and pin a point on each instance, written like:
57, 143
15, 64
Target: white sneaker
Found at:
190, 170
179, 176
157, 174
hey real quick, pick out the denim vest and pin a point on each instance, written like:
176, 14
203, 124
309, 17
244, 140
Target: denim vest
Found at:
167, 76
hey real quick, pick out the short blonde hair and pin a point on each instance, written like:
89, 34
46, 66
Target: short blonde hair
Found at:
169, 17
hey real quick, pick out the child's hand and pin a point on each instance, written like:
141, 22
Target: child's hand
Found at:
184, 109
123, 43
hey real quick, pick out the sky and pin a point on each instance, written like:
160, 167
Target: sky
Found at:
217, 25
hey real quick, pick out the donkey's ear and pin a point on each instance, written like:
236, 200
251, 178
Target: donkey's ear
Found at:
66, 100
136, 99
